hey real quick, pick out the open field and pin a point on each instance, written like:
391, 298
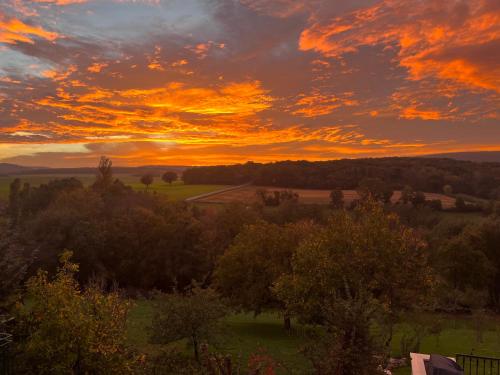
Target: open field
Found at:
248, 195
246, 334
176, 191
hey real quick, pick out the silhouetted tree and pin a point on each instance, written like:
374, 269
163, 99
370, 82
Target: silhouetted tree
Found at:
104, 177
337, 198
147, 180
169, 177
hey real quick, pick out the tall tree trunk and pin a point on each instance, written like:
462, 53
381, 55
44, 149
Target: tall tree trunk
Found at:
195, 347
287, 322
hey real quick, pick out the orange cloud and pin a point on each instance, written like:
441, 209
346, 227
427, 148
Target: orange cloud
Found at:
60, 2
202, 49
13, 30
318, 104
414, 113
244, 98
96, 67
445, 40
221, 114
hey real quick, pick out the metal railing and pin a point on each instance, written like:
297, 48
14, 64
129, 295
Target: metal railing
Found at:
5, 359
476, 365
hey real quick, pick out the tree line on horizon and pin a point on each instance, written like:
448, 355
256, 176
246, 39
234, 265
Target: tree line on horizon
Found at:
422, 174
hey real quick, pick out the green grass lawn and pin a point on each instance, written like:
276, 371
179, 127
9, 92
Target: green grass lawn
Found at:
175, 191
246, 334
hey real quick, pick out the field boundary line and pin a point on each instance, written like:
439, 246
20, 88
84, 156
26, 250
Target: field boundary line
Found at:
206, 195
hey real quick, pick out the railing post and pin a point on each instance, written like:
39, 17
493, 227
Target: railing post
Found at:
5, 360
474, 364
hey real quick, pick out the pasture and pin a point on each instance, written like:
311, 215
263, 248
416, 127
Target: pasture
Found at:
175, 191
179, 191
246, 334
247, 194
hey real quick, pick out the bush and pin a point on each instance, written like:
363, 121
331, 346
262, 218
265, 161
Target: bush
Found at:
67, 329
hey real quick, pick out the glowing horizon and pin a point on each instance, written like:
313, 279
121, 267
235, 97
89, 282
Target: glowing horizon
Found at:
193, 82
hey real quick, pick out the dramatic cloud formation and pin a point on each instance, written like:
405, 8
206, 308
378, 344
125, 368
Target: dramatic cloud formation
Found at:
208, 82
13, 30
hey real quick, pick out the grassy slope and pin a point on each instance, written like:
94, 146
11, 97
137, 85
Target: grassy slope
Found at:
246, 334
176, 191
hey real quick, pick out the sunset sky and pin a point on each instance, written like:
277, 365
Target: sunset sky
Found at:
197, 82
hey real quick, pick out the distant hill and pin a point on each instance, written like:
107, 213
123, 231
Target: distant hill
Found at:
478, 156
13, 169
7, 169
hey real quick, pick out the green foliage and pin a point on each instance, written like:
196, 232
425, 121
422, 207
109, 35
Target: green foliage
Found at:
488, 237
136, 239
367, 248
470, 259
194, 315
260, 254
463, 263
347, 345
221, 226
69, 330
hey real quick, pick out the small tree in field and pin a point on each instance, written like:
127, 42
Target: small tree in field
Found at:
147, 180
348, 345
195, 316
169, 177
258, 256
407, 194
367, 248
337, 198
374, 188
68, 330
